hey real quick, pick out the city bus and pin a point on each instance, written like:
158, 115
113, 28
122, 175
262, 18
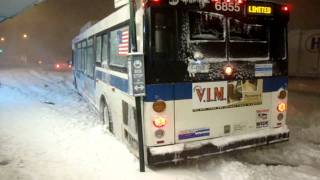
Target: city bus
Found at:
212, 75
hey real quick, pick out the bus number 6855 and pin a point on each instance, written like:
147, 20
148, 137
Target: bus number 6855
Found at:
223, 6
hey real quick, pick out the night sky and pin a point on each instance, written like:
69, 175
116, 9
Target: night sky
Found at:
51, 26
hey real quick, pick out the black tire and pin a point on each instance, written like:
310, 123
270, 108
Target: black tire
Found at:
105, 116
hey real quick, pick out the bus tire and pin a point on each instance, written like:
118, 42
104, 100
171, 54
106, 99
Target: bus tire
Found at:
105, 115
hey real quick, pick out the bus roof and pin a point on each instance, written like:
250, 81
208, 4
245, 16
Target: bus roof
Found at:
117, 17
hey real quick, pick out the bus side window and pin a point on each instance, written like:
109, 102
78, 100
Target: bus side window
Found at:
98, 52
78, 57
164, 35
90, 58
119, 48
105, 50
83, 56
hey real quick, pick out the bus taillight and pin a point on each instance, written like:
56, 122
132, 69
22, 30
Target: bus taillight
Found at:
159, 121
240, 1
285, 8
159, 106
282, 107
282, 94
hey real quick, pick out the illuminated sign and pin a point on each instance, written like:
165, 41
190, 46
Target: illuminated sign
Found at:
259, 10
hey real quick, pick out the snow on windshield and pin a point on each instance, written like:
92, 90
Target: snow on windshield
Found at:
206, 26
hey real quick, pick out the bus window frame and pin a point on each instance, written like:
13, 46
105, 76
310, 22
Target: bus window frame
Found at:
107, 31
229, 42
88, 60
83, 55
78, 56
98, 61
112, 66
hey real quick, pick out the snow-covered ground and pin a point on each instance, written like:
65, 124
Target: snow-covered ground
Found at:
48, 132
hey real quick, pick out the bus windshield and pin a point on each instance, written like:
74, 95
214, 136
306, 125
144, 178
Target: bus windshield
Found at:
248, 37
208, 36
195, 45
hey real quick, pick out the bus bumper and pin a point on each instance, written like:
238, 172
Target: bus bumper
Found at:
192, 150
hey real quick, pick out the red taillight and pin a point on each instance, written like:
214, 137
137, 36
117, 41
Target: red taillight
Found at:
57, 66
240, 1
285, 8
156, 1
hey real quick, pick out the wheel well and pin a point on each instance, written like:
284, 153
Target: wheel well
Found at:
102, 101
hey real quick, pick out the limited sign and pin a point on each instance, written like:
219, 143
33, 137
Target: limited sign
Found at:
259, 10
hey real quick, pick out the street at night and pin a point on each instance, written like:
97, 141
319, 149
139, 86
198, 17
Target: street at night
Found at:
159, 89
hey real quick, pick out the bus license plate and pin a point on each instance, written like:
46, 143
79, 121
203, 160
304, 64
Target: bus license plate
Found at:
199, 68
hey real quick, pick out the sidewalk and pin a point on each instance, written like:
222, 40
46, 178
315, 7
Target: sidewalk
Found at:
306, 85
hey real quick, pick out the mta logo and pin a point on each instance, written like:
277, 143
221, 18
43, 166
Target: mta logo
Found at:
313, 43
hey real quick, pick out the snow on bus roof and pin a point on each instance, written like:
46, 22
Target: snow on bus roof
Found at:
119, 16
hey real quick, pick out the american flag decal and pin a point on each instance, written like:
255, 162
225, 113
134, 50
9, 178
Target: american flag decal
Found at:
123, 38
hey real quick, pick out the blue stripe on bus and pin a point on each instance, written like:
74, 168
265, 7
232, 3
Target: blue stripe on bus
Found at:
264, 69
183, 91
159, 91
274, 84
180, 91
114, 81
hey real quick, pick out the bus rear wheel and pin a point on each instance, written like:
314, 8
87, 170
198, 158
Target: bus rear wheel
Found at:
106, 117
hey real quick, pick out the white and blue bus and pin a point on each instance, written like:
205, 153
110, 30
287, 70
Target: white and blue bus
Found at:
213, 74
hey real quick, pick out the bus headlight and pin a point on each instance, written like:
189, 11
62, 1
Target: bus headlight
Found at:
159, 121
282, 107
159, 106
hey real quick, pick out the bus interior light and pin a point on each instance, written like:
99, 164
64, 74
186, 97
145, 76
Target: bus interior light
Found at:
228, 70
282, 107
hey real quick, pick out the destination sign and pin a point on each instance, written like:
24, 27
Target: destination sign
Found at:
259, 10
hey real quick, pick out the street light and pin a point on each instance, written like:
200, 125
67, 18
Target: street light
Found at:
25, 36
2, 39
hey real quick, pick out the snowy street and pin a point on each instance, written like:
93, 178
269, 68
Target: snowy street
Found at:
48, 132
